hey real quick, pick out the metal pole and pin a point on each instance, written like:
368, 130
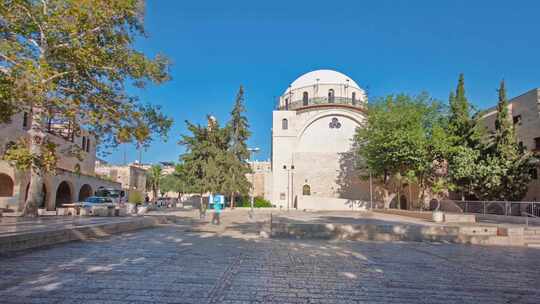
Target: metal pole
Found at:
370, 191
288, 188
292, 186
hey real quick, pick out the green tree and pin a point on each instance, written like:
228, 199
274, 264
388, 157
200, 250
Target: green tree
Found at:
505, 169
70, 60
176, 181
154, 178
404, 141
465, 133
237, 165
206, 157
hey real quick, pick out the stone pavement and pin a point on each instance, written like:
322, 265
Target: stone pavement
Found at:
15, 225
170, 264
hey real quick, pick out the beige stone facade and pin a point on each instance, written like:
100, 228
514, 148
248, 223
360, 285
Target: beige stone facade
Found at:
312, 144
260, 178
74, 179
131, 177
525, 112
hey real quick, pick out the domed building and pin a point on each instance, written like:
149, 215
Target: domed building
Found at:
312, 144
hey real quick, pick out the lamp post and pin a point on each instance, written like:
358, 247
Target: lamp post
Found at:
290, 170
252, 151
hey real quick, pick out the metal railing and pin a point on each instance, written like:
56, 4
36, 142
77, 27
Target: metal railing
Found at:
495, 207
297, 104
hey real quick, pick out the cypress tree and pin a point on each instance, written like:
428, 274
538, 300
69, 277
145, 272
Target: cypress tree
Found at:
506, 168
236, 181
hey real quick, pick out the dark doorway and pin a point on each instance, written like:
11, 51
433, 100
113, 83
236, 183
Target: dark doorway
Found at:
403, 202
85, 192
6, 185
63, 194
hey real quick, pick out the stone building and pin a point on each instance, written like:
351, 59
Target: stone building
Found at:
312, 148
74, 179
261, 178
525, 112
131, 177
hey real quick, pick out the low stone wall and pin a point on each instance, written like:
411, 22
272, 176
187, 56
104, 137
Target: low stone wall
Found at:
22, 241
478, 235
428, 215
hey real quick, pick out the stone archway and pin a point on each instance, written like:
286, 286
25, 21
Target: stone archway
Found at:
85, 192
43, 203
6, 185
63, 194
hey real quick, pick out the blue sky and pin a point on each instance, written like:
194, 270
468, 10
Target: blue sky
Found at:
386, 46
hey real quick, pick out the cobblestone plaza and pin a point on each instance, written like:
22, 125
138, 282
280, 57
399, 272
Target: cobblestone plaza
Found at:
170, 264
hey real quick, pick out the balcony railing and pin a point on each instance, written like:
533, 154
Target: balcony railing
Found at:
299, 104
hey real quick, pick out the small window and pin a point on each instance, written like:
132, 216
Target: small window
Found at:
305, 98
306, 190
517, 120
284, 124
286, 103
84, 143
353, 98
25, 120
88, 145
282, 196
537, 143
331, 96
534, 173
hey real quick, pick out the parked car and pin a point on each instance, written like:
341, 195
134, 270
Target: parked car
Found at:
96, 201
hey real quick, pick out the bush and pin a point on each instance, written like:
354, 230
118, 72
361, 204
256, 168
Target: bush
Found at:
135, 197
258, 202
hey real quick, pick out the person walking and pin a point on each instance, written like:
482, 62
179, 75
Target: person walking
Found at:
217, 212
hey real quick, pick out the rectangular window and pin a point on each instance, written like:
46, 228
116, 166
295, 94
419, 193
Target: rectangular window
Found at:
25, 120
537, 143
282, 196
517, 120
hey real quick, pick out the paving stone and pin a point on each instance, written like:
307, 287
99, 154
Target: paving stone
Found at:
169, 265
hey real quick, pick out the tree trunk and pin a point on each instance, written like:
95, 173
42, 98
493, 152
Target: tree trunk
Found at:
35, 191
232, 201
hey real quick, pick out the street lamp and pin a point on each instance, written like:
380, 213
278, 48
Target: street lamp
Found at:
290, 181
252, 151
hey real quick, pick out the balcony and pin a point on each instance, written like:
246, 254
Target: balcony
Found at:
323, 102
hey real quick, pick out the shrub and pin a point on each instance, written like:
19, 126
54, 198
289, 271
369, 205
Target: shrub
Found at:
258, 202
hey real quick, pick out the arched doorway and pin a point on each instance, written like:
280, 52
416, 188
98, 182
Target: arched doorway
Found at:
306, 190
63, 194
403, 202
43, 201
85, 192
6, 185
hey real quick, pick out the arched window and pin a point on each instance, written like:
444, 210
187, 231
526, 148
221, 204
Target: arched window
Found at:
284, 124
306, 190
305, 98
331, 96
6, 185
354, 98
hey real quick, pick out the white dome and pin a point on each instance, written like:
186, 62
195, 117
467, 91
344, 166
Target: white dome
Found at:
323, 77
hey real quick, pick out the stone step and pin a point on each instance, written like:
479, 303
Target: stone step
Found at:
533, 245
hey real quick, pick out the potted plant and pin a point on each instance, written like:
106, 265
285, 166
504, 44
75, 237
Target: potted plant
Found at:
439, 188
